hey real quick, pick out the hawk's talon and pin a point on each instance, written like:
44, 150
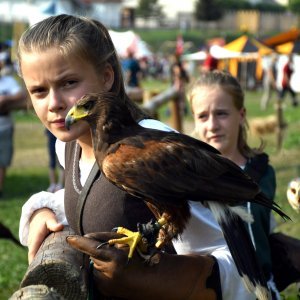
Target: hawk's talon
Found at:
142, 240
102, 244
131, 238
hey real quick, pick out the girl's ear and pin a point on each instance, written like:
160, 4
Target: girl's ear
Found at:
108, 77
243, 115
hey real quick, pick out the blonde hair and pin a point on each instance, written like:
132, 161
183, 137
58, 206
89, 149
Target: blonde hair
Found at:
231, 86
87, 39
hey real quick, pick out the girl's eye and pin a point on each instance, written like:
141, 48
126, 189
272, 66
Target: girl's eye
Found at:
202, 117
37, 91
70, 83
89, 105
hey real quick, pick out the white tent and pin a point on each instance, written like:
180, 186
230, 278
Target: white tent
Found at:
128, 40
200, 55
217, 52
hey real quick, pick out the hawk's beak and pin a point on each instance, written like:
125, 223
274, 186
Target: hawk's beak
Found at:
74, 115
70, 118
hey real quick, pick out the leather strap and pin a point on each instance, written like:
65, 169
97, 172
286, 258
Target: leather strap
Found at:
83, 195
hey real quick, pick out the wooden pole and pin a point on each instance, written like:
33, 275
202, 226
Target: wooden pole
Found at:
56, 266
280, 123
36, 292
171, 94
176, 121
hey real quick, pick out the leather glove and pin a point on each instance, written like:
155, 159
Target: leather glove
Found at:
174, 277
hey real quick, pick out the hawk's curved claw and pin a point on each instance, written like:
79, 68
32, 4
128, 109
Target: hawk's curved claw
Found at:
131, 239
102, 244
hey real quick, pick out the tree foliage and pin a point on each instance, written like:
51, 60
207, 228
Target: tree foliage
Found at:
294, 6
246, 5
149, 8
208, 10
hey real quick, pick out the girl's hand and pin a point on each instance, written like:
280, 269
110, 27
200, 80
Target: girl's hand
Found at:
42, 222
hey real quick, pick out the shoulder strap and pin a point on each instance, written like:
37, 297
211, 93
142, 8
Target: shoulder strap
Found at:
82, 197
257, 166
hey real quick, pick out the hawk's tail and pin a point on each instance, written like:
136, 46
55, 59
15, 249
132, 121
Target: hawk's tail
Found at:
263, 200
241, 248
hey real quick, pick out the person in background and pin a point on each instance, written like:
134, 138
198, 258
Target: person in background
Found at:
132, 76
56, 171
12, 96
179, 79
210, 63
132, 70
56, 78
217, 104
288, 70
269, 81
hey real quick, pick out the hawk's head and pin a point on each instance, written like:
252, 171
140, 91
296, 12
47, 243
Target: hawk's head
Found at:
84, 109
104, 111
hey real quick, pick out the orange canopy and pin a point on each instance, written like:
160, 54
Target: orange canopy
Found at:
282, 38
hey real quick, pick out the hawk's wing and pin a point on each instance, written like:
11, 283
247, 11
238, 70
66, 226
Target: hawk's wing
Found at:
170, 167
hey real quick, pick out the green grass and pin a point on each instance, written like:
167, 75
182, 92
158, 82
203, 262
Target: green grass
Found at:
28, 175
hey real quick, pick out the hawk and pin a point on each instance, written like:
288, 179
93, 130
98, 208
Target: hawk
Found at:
167, 170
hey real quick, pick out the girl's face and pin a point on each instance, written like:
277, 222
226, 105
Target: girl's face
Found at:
55, 84
216, 119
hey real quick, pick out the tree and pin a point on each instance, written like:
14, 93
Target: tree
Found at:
294, 6
208, 10
149, 8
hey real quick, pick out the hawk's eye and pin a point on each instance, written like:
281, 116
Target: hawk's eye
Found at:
88, 105
293, 190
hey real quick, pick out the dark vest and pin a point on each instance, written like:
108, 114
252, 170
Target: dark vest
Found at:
106, 206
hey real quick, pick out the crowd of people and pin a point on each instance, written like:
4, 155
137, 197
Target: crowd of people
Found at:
200, 266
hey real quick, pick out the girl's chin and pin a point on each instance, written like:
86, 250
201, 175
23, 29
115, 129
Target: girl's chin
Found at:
216, 145
64, 137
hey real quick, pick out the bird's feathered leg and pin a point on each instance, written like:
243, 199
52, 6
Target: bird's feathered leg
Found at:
154, 235
241, 247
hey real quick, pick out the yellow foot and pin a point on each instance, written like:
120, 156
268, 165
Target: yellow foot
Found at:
132, 239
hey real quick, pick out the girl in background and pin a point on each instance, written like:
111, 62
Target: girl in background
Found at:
217, 103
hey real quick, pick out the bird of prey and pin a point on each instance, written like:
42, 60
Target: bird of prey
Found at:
167, 170
7, 234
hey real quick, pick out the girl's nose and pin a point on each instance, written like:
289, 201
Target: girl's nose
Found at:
55, 101
212, 123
